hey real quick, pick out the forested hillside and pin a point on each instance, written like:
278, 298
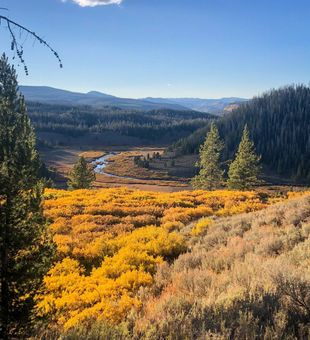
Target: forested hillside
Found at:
279, 123
158, 125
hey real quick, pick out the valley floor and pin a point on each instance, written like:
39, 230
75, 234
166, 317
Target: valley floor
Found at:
121, 166
166, 174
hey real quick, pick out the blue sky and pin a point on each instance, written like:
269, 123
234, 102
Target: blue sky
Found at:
166, 48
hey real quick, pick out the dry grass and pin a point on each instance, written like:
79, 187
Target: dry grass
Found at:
123, 165
63, 159
103, 181
91, 155
247, 277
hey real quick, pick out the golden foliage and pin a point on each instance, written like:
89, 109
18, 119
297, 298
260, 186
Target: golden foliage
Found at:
108, 291
201, 225
110, 243
247, 276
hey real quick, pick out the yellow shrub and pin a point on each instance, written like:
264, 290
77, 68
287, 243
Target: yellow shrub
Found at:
111, 242
201, 226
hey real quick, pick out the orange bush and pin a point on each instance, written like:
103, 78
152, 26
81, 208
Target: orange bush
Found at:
111, 241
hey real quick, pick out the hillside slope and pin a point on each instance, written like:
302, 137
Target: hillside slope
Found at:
85, 124
246, 277
112, 241
152, 271
279, 122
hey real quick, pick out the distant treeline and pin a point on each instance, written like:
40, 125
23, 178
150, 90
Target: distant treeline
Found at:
279, 122
150, 125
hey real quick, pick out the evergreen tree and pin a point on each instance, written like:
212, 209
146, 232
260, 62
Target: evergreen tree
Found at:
81, 176
279, 121
210, 175
244, 170
26, 248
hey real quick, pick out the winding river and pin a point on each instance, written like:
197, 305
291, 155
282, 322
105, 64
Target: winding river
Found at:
101, 163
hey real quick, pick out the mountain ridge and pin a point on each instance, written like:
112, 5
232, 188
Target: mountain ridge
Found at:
51, 95
215, 106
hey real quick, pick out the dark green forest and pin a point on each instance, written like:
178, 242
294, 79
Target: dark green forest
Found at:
279, 124
166, 125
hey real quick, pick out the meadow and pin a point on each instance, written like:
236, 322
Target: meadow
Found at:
111, 243
156, 179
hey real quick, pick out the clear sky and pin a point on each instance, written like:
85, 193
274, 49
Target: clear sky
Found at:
166, 48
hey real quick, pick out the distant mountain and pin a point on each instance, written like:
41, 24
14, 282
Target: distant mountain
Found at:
215, 106
50, 95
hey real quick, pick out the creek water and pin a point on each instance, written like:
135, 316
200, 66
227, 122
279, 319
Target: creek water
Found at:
101, 163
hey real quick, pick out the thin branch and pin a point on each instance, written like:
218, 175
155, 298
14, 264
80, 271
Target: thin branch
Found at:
15, 46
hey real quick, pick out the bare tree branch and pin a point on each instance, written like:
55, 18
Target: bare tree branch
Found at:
15, 46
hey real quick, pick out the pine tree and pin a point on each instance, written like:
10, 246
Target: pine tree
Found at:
26, 248
210, 175
244, 170
81, 176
